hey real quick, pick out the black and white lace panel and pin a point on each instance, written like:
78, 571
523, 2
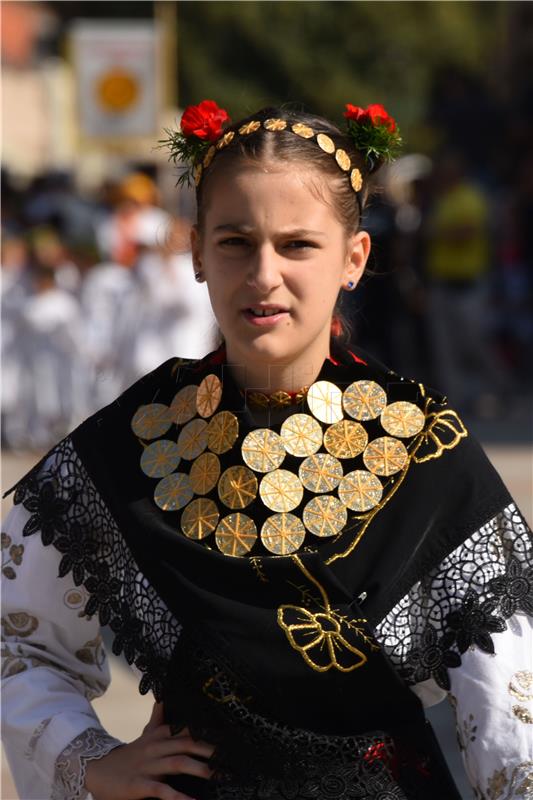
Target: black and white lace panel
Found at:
462, 602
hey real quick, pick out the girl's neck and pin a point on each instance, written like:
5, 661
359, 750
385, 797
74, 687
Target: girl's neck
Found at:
270, 378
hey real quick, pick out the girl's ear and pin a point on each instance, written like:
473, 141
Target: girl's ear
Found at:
356, 258
195, 249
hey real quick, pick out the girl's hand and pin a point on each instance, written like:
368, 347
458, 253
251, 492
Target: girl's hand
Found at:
135, 771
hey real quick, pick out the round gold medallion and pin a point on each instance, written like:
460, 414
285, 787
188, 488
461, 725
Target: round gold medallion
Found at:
402, 419
208, 395
281, 490
263, 450
325, 143
222, 432
183, 407
283, 534
301, 434
325, 401
325, 515
193, 439
249, 127
345, 439
225, 140
356, 179
160, 458
275, 124
320, 473
303, 130
209, 156
236, 535
385, 456
151, 421
364, 400
360, 490
200, 518
204, 473
173, 492
237, 487
343, 160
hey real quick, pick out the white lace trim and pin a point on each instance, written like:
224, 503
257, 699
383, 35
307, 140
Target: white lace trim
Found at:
69, 777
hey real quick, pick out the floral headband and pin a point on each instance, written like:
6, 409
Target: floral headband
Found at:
202, 134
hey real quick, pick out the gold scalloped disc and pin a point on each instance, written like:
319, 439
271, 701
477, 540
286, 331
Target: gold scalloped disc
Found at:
345, 439
209, 156
385, 456
208, 395
173, 492
281, 490
236, 535
160, 458
193, 439
283, 534
356, 179
249, 127
320, 473
325, 143
275, 124
237, 487
199, 518
301, 434
222, 432
360, 490
225, 140
151, 421
343, 159
364, 400
402, 419
303, 130
183, 406
325, 401
325, 516
263, 450
204, 473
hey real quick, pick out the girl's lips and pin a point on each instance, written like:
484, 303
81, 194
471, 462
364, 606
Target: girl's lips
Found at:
263, 322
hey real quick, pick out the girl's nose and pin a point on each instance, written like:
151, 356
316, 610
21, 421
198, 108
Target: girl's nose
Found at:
264, 273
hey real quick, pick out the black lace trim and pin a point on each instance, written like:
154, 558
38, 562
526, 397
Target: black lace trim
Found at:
70, 514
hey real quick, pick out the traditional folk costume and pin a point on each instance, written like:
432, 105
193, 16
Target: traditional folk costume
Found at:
295, 577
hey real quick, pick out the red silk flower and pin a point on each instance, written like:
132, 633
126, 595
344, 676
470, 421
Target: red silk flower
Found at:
374, 113
204, 121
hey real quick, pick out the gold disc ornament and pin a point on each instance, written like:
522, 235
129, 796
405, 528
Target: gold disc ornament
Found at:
385, 456
402, 419
325, 401
364, 400
343, 159
263, 450
320, 473
204, 473
237, 487
325, 516
173, 492
183, 406
283, 534
199, 518
303, 130
151, 421
249, 127
345, 439
356, 179
160, 458
236, 535
222, 432
281, 490
275, 124
208, 395
301, 435
325, 143
193, 439
360, 490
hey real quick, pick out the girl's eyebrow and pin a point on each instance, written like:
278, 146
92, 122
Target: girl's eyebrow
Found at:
294, 232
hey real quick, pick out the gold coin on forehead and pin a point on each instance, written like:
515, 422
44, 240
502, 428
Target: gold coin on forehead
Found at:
385, 456
236, 535
345, 439
249, 127
183, 406
325, 143
303, 130
199, 518
263, 450
275, 124
360, 490
364, 400
301, 434
208, 395
173, 492
225, 140
160, 458
402, 419
204, 473
325, 401
222, 432
324, 515
151, 421
237, 487
320, 473
356, 179
343, 159
283, 534
281, 490
209, 156
193, 439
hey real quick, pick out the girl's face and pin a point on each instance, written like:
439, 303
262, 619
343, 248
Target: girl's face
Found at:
275, 257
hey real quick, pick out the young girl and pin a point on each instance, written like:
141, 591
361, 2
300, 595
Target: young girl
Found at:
296, 547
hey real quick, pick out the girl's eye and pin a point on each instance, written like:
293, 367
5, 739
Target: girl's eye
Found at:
233, 241
299, 244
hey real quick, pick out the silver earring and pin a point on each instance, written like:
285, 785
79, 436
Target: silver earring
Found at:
198, 276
